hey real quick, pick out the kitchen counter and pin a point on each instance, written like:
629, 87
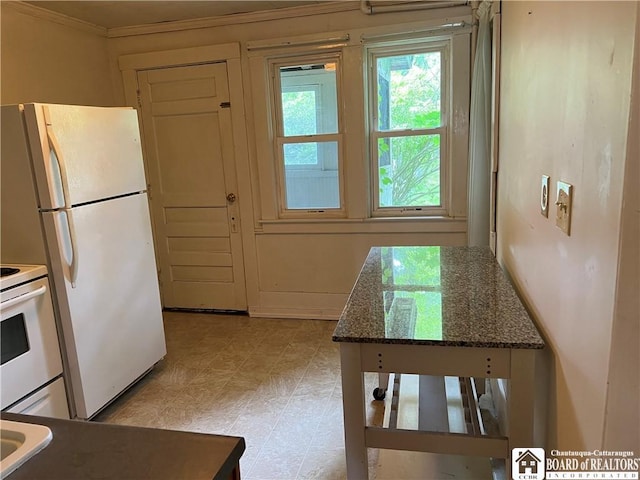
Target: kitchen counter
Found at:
88, 450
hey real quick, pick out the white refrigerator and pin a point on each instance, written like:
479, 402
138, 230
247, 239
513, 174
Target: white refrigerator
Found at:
73, 197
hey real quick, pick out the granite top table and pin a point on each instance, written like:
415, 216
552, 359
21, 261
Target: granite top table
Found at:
437, 311
461, 298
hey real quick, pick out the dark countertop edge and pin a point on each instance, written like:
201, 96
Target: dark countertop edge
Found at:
224, 469
440, 343
19, 417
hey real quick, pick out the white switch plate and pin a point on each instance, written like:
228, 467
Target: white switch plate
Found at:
564, 200
544, 196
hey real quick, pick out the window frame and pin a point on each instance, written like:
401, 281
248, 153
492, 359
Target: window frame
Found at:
403, 47
274, 65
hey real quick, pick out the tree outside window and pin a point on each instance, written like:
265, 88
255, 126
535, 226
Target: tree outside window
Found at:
408, 128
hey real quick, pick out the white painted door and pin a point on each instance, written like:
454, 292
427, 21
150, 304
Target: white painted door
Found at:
188, 139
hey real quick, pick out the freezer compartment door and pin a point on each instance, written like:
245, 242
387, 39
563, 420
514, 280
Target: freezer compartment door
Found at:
83, 154
111, 319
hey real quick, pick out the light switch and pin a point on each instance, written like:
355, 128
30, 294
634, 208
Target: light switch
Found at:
544, 196
564, 200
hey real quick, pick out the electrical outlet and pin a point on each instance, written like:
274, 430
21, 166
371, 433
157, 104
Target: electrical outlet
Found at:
564, 201
544, 196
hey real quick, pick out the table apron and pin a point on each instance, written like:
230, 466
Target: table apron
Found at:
436, 360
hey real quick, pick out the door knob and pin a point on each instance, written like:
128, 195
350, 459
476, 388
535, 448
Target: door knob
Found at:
231, 197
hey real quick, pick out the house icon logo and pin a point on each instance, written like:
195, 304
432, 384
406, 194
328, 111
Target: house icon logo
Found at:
527, 464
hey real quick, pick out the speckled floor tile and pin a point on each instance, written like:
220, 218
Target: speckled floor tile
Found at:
330, 465
274, 382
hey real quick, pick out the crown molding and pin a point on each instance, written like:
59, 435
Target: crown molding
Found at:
41, 13
240, 18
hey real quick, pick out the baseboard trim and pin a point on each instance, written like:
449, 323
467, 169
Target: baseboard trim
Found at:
302, 314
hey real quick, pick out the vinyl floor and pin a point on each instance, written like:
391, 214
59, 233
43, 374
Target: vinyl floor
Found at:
277, 384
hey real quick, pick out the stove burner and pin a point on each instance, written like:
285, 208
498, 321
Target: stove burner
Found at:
6, 271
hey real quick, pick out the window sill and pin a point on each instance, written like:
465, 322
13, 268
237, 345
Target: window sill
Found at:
431, 224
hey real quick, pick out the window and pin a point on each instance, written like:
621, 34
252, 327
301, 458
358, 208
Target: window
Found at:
366, 127
308, 139
408, 128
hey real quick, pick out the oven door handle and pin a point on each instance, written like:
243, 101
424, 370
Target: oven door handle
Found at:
23, 298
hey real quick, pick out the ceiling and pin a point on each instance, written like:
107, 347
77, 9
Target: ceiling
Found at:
113, 14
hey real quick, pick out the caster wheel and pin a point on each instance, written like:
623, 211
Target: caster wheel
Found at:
379, 393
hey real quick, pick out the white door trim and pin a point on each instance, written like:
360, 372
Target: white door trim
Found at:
129, 66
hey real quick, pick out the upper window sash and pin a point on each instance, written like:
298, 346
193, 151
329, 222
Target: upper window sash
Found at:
429, 48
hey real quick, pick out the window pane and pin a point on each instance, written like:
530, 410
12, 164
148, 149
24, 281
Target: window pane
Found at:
299, 112
409, 91
409, 171
300, 154
312, 188
309, 99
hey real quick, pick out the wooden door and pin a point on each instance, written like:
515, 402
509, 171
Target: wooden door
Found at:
188, 139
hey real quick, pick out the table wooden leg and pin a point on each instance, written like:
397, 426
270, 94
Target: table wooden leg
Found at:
353, 411
521, 402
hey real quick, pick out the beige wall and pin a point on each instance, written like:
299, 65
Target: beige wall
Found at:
565, 86
43, 61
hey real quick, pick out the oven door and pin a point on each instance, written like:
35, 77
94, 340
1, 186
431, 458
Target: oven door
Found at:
29, 350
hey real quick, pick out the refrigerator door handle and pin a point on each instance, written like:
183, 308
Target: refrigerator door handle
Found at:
73, 264
57, 151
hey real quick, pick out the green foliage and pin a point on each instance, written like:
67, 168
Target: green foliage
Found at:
412, 266
413, 177
409, 98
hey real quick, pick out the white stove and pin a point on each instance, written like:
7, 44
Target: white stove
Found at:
31, 366
9, 277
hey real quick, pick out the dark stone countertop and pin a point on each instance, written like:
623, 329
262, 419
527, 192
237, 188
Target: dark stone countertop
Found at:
447, 296
89, 450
